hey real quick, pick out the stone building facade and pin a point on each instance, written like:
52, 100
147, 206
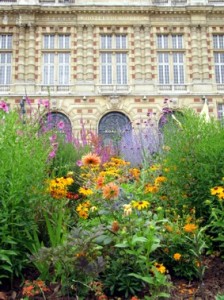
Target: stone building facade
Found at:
107, 61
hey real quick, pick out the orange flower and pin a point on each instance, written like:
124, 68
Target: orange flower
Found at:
190, 227
99, 182
91, 159
160, 179
110, 191
177, 256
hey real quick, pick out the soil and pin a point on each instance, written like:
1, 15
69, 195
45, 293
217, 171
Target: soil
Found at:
212, 285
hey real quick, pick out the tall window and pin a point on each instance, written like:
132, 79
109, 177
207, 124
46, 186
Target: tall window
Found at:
170, 59
221, 113
218, 45
56, 59
113, 59
5, 58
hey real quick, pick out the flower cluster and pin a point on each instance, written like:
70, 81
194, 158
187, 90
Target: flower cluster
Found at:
83, 209
4, 106
32, 288
58, 187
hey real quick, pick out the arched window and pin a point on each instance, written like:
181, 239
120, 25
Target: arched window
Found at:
112, 127
57, 121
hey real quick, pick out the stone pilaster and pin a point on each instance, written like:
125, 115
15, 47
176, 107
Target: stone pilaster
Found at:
204, 54
89, 54
195, 40
21, 53
137, 53
30, 54
148, 65
80, 53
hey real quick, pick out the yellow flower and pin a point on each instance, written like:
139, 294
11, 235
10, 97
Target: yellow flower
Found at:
85, 191
160, 179
83, 214
155, 167
160, 267
139, 205
177, 256
151, 188
190, 227
218, 191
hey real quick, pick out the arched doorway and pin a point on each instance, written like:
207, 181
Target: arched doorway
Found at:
112, 126
57, 121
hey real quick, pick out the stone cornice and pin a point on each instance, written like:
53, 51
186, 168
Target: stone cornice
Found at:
105, 10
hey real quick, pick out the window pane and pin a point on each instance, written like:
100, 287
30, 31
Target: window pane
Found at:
63, 68
106, 68
48, 68
6, 41
219, 67
162, 41
5, 68
163, 68
121, 41
64, 41
218, 41
49, 41
121, 68
106, 41
177, 41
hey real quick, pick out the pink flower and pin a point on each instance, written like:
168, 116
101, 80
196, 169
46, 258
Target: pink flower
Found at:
44, 102
4, 106
61, 125
53, 138
52, 154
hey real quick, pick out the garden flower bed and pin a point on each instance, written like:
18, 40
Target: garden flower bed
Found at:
81, 221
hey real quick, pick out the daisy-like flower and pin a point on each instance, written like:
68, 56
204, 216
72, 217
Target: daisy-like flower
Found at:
218, 191
139, 205
160, 268
83, 214
110, 191
85, 191
91, 159
177, 256
190, 227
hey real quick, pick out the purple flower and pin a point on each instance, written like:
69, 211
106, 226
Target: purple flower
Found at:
52, 154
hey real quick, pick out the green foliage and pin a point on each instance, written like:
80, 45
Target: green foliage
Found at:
23, 168
195, 160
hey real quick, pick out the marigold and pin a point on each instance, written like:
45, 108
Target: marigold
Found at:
110, 191
177, 256
190, 227
139, 205
91, 159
